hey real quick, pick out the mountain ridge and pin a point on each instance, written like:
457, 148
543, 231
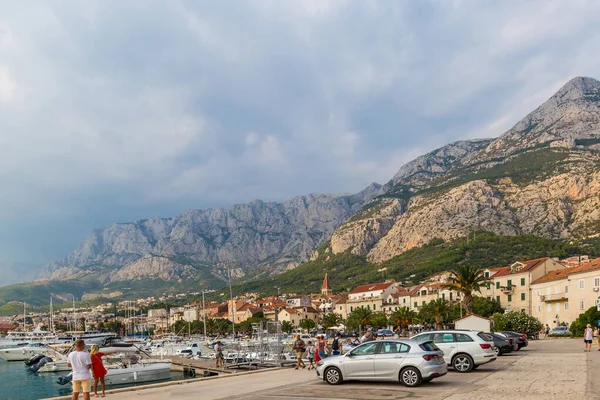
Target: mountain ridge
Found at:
540, 177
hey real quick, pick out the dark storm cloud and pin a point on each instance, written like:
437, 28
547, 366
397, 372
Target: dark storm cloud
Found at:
113, 111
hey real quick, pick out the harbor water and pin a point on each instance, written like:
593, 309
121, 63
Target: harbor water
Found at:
17, 382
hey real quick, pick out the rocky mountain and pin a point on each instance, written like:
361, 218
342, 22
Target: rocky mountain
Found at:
541, 177
254, 238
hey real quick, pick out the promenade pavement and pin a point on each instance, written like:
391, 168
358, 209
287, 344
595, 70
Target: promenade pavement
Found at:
548, 369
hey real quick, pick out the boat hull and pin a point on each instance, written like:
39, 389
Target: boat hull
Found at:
20, 354
138, 374
60, 366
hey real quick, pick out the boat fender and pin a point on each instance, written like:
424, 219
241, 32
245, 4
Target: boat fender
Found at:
135, 376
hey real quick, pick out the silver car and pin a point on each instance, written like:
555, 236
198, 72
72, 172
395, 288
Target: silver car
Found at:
408, 361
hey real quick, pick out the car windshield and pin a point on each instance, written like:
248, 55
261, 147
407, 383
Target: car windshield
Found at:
365, 349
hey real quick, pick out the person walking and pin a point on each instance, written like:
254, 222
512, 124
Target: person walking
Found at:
80, 362
588, 337
98, 370
547, 331
322, 347
300, 347
310, 351
220, 360
335, 345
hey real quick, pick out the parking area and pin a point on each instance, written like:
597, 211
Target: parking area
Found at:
547, 369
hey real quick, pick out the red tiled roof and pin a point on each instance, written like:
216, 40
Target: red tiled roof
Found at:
563, 273
372, 287
402, 291
528, 265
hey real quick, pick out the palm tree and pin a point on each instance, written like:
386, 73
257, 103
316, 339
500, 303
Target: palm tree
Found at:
359, 318
440, 310
402, 318
331, 320
467, 279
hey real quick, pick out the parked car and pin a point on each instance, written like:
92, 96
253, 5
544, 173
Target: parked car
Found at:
560, 330
502, 344
520, 338
407, 361
463, 350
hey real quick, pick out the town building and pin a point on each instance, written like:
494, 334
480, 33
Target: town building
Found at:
562, 295
298, 301
428, 292
191, 314
369, 296
295, 315
511, 285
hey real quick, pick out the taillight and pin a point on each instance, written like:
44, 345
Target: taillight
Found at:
523, 338
509, 342
485, 345
429, 357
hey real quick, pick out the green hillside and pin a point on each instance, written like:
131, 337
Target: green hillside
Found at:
482, 249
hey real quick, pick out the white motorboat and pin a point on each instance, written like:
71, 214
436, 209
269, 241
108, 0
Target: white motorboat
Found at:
22, 353
55, 366
138, 373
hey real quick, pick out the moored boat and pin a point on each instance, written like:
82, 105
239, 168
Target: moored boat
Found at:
21, 353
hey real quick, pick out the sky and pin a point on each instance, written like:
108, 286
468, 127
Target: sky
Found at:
113, 111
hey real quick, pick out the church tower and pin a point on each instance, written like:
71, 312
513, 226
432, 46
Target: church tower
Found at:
326, 288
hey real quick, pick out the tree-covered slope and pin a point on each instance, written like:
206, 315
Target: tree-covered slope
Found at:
347, 270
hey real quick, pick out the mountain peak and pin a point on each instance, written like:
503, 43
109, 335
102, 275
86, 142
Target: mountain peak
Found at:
577, 88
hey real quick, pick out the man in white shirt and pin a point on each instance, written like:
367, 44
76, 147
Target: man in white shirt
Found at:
367, 337
80, 362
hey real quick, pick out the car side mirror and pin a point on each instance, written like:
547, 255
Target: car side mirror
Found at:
349, 355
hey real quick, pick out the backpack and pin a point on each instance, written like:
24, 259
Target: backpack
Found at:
336, 344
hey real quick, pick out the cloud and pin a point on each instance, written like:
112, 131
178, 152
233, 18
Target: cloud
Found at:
117, 111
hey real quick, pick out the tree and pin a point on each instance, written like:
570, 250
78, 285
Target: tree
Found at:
402, 318
307, 324
286, 326
379, 321
591, 316
440, 309
466, 279
517, 321
359, 318
331, 320
486, 307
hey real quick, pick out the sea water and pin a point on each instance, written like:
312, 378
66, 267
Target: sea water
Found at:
17, 382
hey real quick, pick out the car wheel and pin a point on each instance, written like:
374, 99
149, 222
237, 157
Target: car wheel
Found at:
410, 376
333, 376
462, 363
498, 351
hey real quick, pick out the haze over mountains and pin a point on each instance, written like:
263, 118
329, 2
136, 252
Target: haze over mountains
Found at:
541, 177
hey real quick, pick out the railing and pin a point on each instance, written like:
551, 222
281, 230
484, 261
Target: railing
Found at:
506, 289
554, 297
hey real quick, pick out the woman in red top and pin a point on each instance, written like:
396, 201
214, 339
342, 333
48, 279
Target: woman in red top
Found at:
98, 370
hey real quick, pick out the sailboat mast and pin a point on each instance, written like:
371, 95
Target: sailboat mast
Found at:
51, 316
24, 313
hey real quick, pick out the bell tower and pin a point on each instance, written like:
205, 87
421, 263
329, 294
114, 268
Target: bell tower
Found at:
326, 287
